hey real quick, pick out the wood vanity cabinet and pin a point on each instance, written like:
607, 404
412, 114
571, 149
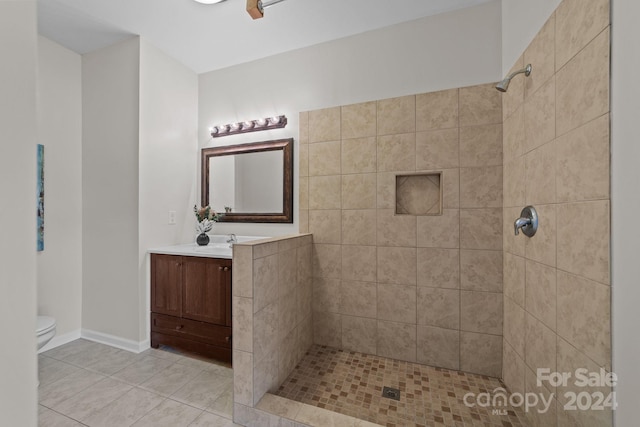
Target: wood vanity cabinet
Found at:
191, 304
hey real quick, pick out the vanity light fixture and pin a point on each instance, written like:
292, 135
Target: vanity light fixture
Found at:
255, 8
275, 122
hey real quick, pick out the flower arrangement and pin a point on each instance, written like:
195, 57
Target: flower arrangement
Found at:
206, 217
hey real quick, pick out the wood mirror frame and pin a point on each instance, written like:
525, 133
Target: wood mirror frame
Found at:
286, 146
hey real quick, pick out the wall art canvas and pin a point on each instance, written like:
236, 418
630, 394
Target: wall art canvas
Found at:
40, 184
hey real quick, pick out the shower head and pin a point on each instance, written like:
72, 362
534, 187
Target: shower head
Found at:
504, 84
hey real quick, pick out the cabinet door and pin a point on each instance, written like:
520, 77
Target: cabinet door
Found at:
206, 291
166, 284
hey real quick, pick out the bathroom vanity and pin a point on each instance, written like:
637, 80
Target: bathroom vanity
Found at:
191, 299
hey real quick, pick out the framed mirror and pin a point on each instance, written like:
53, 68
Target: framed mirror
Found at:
249, 182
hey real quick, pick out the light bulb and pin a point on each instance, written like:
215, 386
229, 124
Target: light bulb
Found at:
209, 1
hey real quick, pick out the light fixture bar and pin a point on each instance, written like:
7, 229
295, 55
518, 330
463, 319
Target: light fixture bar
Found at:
256, 8
275, 122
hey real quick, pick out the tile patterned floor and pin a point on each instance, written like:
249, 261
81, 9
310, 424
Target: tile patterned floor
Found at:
84, 383
351, 383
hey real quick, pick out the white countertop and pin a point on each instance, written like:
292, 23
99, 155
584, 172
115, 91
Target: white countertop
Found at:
217, 247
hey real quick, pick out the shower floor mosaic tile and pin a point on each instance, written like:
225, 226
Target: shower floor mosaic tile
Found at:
351, 383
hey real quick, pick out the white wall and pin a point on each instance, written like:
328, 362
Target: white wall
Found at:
168, 158
18, 139
60, 130
110, 250
521, 21
625, 150
454, 49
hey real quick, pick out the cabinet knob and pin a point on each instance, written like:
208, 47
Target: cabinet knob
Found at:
179, 327
227, 339
220, 268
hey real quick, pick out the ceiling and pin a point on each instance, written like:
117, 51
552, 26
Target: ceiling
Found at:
210, 37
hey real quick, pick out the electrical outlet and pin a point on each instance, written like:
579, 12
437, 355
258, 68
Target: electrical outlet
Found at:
172, 217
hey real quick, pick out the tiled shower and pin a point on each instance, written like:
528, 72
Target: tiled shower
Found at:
451, 286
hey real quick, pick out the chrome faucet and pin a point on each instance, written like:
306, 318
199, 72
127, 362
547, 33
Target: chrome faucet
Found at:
528, 222
521, 222
232, 239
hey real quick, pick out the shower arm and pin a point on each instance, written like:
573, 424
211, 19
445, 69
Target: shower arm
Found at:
526, 70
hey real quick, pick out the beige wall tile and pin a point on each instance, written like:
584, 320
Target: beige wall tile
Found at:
437, 149
577, 25
418, 194
589, 69
359, 155
304, 127
303, 155
303, 189
326, 226
570, 359
439, 268
386, 190
325, 192
481, 228
397, 152
359, 263
437, 110
514, 278
359, 191
397, 265
514, 97
242, 278
359, 227
542, 246
541, 293
327, 329
513, 134
396, 340
242, 324
481, 187
450, 180
583, 162
326, 295
439, 307
304, 263
481, 270
584, 316
542, 418
359, 334
440, 231
279, 406
358, 299
481, 353
287, 315
287, 272
480, 105
327, 261
541, 54
397, 303
324, 158
512, 243
243, 378
395, 230
359, 120
514, 326
265, 332
481, 145
481, 312
540, 345
265, 281
324, 125
438, 347
513, 369
584, 253
397, 115
514, 183
540, 115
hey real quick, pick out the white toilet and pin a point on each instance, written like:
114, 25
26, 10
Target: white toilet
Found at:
45, 330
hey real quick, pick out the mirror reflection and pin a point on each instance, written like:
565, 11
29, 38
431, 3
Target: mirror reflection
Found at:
250, 182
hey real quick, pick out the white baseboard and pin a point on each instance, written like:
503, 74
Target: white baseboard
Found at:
59, 340
114, 341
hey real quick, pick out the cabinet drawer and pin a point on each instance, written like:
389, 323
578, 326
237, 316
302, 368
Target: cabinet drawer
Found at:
192, 329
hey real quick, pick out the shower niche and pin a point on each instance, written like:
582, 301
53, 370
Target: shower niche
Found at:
419, 194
